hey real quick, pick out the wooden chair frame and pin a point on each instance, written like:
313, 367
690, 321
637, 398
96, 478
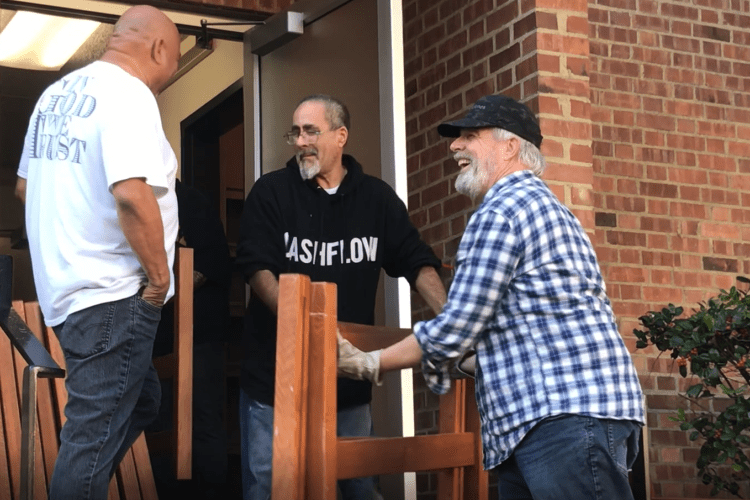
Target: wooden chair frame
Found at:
178, 366
308, 457
134, 478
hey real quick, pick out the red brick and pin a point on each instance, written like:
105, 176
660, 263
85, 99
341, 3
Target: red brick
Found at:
431, 77
477, 9
501, 17
723, 231
435, 193
546, 20
525, 68
571, 5
452, 45
431, 37
454, 84
563, 44
504, 58
481, 89
577, 25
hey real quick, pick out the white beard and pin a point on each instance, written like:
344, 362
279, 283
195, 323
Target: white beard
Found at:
473, 180
309, 166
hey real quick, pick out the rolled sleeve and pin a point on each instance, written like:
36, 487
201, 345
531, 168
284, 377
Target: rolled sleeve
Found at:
485, 266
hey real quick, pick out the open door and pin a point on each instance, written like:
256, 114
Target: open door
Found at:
352, 50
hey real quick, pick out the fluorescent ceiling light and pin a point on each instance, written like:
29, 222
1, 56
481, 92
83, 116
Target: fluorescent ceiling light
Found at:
38, 41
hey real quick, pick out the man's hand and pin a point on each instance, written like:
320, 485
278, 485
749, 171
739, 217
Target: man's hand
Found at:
155, 294
357, 364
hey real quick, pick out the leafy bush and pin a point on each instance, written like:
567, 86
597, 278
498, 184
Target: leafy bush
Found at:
713, 343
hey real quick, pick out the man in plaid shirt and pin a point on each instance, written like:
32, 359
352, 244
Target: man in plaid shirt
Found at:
558, 394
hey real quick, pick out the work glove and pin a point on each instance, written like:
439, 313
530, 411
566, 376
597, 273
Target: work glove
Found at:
356, 364
466, 365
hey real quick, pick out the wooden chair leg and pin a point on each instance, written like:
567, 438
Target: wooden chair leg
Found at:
321, 448
451, 419
476, 479
290, 403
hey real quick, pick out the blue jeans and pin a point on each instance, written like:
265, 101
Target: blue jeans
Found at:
571, 457
113, 393
256, 428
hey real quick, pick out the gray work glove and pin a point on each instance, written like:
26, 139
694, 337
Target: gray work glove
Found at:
466, 365
356, 364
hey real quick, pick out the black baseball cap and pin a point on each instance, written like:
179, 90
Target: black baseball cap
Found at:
497, 111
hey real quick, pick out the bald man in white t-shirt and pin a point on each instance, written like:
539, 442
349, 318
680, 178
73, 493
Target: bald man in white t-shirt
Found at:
97, 176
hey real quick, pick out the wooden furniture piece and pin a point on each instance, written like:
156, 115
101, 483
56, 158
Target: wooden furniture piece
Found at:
134, 478
308, 457
178, 366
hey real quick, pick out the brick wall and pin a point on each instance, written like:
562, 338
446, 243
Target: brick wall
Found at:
670, 92
644, 109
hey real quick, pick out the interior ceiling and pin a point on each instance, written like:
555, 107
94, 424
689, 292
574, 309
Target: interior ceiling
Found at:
29, 84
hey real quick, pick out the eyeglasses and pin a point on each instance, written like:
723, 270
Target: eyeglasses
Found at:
311, 135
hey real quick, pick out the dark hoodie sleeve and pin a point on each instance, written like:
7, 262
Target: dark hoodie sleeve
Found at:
261, 241
406, 252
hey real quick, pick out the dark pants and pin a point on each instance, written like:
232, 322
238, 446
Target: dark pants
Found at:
113, 393
571, 457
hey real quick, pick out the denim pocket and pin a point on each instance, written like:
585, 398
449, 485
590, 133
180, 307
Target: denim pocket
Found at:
622, 437
87, 332
148, 305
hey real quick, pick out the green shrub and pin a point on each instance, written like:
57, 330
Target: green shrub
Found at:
713, 344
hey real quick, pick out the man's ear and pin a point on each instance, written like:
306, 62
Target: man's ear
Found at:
342, 135
159, 51
511, 148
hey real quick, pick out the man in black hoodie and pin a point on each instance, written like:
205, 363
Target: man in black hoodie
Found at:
323, 217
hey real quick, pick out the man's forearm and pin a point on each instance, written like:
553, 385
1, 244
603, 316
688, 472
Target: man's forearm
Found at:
21, 189
266, 287
140, 219
431, 289
403, 354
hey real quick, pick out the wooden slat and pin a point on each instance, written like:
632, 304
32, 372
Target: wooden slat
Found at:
113, 493
451, 420
128, 478
5, 487
476, 479
183, 375
135, 473
61, 394
143, 469
371, 338
45, 403
321, 458
290, 386
40, 479
11, 412
372, 456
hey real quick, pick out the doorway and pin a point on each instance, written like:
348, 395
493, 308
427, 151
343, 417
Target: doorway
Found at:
213, 162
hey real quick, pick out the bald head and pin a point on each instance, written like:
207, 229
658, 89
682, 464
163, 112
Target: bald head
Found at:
146, 44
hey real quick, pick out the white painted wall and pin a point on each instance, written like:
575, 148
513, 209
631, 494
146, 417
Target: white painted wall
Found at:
201, 84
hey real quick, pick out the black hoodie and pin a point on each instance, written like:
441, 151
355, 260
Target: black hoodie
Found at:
293, 226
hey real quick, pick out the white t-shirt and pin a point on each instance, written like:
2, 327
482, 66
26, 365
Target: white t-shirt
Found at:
95, 127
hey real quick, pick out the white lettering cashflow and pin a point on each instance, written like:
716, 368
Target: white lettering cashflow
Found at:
328, 253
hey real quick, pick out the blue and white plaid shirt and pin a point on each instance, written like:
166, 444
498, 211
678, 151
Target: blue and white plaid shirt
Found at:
529, 296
